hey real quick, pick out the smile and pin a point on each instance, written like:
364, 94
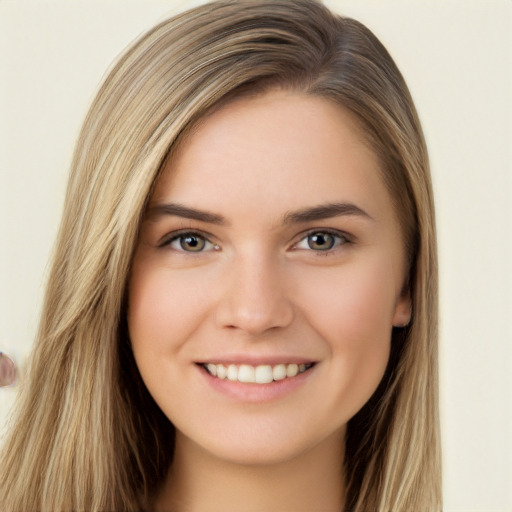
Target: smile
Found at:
261, 374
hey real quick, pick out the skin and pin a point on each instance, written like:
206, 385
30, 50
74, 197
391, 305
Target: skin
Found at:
263, 288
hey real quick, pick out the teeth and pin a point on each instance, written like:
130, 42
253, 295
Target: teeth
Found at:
279, 372
262, 374
222, 372
292, 370
232, 372
246, 373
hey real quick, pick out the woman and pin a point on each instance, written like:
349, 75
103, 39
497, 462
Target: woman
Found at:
242, 308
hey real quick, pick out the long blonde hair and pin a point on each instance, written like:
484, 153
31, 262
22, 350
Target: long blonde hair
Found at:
87, 435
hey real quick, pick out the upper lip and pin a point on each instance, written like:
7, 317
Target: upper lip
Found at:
254, 360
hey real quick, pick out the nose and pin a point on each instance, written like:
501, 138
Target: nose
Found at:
254, 297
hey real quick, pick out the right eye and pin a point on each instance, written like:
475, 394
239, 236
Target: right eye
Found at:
191, 242
322, 241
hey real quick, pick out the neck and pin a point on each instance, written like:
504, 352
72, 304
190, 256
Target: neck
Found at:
198, 481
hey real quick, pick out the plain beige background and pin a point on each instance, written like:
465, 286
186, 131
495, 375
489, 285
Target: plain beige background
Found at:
457, 59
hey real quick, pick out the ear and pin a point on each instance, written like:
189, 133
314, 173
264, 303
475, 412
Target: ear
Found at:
403, 310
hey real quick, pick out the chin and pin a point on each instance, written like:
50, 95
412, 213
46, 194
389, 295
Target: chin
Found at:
266, 445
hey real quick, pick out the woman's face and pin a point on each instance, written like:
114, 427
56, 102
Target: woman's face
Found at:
270, 246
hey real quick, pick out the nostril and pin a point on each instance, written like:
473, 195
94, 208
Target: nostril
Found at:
255, 317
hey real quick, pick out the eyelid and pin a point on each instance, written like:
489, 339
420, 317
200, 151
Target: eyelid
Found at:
344, 237
171, 237
168, 239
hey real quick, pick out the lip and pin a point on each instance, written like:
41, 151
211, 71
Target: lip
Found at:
255, 360
256, 393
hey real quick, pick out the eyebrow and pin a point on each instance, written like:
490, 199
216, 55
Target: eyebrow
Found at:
178, 210
325, 211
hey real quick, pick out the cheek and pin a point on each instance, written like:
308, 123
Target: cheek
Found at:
163, 307
356, 305
353, 312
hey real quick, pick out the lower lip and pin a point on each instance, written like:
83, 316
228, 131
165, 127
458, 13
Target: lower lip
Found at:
255, 393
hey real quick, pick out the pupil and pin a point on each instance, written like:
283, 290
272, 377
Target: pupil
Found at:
322, 241
192, 243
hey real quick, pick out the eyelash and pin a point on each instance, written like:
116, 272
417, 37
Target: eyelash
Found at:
339, 238
180, 236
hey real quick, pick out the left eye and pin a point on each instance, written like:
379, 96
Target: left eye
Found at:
191, 242
321, 241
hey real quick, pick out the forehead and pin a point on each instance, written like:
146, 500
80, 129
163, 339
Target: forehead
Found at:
280, 147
